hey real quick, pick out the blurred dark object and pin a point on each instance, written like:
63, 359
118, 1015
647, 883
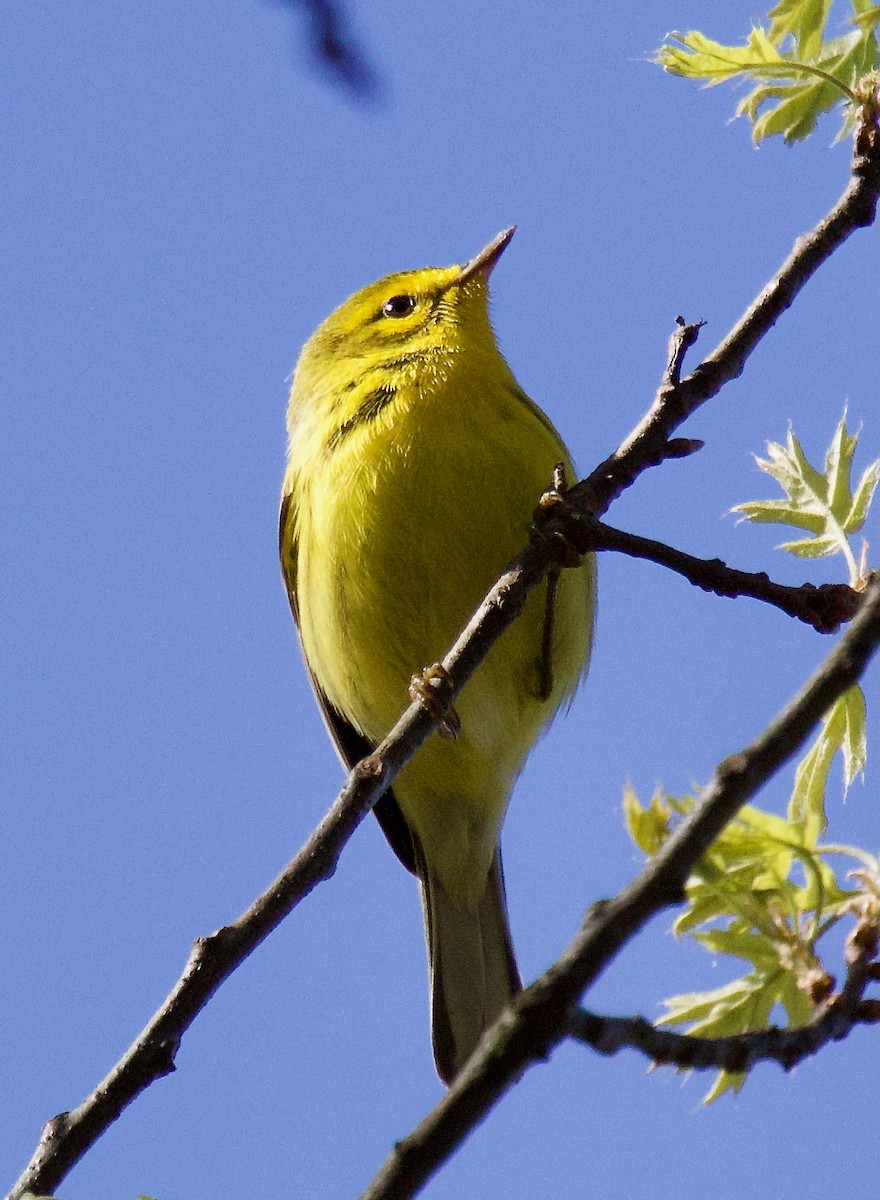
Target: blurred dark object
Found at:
334, 49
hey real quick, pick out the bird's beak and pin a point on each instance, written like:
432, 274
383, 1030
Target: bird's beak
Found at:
481, 264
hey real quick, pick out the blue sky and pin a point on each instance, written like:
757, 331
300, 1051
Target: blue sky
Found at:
185, 197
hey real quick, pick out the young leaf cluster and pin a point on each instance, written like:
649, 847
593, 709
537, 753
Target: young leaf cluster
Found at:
766, 890
764, 894
797, 71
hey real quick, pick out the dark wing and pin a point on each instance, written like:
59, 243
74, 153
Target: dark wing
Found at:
352, 746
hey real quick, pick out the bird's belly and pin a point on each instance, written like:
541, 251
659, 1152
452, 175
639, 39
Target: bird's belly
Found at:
410, 541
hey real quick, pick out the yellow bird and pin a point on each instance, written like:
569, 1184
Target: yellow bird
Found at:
415, 464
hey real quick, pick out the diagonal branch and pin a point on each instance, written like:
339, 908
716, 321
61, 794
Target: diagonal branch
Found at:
675, 401
540, 1017
68, 1136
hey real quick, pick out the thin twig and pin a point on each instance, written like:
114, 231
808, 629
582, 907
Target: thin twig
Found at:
682, 338
825, 607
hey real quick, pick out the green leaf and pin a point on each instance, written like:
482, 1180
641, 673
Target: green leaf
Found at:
862, 497
788, 110
820, 502
648, 827
797, 74
803, 20
725, 1081
775, 512
811, 777
739, 1006
855, 742
819, 547
749, 946
838, 463
712, 1012
702, 907
867, 15
820, 85
795, 1002
843, 729
692, 55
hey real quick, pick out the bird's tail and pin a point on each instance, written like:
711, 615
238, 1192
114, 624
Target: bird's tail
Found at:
473, 969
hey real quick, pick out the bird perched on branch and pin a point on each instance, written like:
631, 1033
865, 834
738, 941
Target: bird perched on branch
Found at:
415, 463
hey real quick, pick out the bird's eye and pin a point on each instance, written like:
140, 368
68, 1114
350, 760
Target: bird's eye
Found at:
398, 306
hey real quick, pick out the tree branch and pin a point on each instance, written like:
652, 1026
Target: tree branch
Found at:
834, 1020
675, 401
541, 1016
825, 608
67, 1137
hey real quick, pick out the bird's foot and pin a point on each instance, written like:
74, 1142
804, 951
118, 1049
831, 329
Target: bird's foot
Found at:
432, 690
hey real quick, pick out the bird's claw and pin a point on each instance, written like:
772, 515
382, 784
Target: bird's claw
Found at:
431, 688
